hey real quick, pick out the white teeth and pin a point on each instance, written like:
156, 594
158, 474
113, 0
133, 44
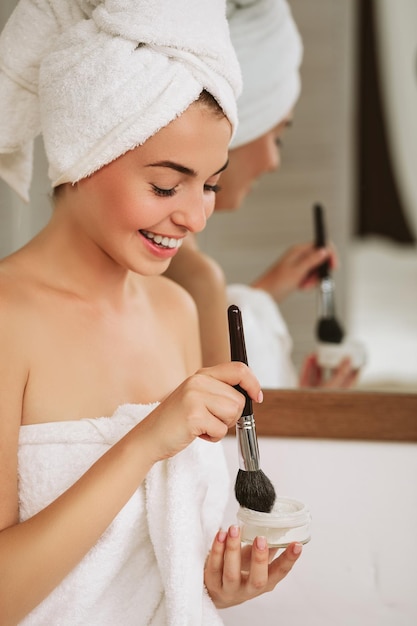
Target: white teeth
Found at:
165, 242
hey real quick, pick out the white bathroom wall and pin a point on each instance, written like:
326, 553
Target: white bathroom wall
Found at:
18, 220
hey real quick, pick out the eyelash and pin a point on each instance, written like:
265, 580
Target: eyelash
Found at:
163, 192
166, 193
213, 188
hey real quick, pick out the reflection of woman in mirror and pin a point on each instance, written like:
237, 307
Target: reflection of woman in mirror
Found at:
109, 520
269, 50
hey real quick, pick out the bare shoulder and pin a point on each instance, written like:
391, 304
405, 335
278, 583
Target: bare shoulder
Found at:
171, 296
13, 295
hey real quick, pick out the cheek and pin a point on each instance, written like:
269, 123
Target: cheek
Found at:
209, 205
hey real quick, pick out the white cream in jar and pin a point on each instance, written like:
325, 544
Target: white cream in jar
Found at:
289, 521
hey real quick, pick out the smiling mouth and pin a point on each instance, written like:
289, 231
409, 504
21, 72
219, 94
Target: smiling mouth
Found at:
160, 241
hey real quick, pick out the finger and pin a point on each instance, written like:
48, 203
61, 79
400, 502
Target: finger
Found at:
214, 564
341, 375
283, 564
246, 553
258, 573
236, 373
310, 375
298, 251
210, 406
309, 265
351, 379
232, 561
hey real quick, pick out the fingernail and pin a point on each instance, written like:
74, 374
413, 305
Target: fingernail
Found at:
221, 536
261, 543
297, 547
260, 397
234, 531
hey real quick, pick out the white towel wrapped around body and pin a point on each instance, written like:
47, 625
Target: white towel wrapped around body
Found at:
147, 568
99, 78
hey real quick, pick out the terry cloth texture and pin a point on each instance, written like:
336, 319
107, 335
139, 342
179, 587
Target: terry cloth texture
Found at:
147, 568
99, 78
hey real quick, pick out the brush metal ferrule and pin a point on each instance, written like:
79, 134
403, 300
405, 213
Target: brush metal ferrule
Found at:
247, 444
327, 297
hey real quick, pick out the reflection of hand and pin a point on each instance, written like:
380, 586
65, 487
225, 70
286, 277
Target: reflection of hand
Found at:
205, 405
234, 574
342, 377
295, 269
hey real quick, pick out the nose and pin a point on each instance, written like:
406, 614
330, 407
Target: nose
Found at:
271, 156
194, 212
268, 157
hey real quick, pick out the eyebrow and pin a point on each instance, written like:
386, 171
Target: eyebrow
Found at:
182, 169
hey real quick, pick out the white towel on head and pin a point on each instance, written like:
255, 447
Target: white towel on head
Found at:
269, 49
99, 78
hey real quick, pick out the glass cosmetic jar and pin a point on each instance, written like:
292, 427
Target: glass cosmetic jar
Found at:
288, 521
331, 354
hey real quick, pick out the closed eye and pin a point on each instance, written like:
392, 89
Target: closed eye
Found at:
163, 192
214, 188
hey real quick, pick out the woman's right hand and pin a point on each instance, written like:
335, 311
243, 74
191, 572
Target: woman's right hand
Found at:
295, 269
205, 405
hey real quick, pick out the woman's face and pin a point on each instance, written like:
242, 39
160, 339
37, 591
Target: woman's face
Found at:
138, 209
247, 164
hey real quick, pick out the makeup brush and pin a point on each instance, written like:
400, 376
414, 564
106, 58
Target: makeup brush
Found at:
253, 489
328, 329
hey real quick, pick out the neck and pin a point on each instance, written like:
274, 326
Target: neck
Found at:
65, 258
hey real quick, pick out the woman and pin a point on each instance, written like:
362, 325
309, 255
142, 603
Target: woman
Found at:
112, 485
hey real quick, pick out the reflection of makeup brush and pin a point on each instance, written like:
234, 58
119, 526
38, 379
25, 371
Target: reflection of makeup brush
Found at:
253, 489
328, 328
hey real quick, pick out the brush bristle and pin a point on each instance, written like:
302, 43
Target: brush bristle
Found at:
254, 490
329, 330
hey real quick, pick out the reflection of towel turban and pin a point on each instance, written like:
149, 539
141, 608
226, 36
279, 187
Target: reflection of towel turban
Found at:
98, 78
269, 50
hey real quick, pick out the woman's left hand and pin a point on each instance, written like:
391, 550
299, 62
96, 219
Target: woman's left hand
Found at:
234, 574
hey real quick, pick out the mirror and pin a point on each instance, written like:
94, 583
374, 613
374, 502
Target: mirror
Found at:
375, 283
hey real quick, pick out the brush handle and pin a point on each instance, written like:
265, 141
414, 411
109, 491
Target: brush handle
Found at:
245, 427
238, 348
323, 270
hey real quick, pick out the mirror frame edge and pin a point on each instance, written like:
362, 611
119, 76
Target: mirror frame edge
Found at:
366, 416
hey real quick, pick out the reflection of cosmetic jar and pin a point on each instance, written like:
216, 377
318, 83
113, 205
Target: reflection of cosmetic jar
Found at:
288, 521
331, 354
